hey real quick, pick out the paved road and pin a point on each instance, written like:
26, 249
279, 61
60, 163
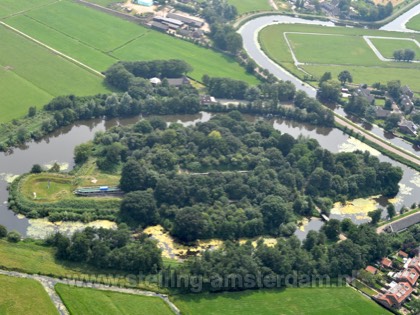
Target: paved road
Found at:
399, 24
49, 284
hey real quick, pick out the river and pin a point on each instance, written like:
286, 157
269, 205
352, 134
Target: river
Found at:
59, 146
250, 30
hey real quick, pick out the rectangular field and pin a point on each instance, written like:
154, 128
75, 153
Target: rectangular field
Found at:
99, 39
346, 51
332, 49
97, 302
290, 301
387, 46
33, 75
24, 296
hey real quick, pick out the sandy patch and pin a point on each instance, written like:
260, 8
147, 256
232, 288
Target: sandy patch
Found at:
357, 206
63, 165
138, 9
353, 144
41, 228
8, 177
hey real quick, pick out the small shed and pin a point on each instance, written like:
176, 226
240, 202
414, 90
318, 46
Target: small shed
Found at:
155, 81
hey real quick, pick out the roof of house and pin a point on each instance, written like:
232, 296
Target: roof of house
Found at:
406, 100
406, 90
207, 99
155, 81
169, 21
185, 19
415, 263
409, 126
365, 93
409, 275
371, 269
396, 294
380, 112
178, 81
386, 262
402, 254
159, 26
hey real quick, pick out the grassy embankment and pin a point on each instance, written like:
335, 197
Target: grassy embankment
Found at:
325, 301
51, 195
24, 296
97, 302
343, 49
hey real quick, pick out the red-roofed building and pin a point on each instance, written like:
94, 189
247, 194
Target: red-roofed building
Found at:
395, 296
409, 275
386, 262
415, 263
372, 270
402, 254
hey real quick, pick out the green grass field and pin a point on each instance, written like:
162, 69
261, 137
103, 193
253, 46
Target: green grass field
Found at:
34, 75
387, 47
414, 23
8, 7
336, 49
291, 301
97, 302
24, 296
347, 50
99, 40
245, 6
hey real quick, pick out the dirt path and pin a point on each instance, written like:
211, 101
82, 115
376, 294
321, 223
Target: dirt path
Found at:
378, 53
49, 284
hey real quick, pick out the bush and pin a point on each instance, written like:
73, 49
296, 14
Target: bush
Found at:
3, 231
14, 236
36, 169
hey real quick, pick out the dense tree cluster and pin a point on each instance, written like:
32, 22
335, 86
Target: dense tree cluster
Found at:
109, 249
404, 55
290, 262
365, 10
258, 181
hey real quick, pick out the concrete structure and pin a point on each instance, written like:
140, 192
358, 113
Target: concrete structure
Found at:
159, 26
172, 23
187, 20
146, 3
178, 81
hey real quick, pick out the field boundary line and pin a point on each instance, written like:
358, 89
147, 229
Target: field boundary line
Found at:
28, 10
379, 54
77, 62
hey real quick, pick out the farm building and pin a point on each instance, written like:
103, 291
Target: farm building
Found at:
146, 3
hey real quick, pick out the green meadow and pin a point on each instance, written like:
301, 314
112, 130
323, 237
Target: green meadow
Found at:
97, 302
245, 6
99, 40
336, 49
290, 301
414, 23
33, 75
24, 296
8, 7
387, 47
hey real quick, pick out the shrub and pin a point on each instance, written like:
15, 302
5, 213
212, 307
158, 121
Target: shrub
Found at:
14, 236
3, 231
